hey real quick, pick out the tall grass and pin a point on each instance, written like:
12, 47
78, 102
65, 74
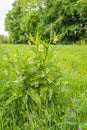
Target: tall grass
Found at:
61, 107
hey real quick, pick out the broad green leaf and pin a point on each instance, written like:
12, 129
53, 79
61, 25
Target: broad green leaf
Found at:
43, 90
34, 96
50, 94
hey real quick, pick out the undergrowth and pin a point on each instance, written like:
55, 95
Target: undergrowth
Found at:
35, 96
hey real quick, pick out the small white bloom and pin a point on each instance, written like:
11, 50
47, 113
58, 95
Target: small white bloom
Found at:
14, 59
30, 61
32, 84
36, 84
50, 81
47, 70
41, 48
15, 56
55, 39
5, 72
15, 81
42, 74
65, 83
17, 72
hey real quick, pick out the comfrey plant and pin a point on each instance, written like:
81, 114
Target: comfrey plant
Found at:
32, 98
36, 91
41, 77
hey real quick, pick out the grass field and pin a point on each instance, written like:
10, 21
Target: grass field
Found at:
72, 61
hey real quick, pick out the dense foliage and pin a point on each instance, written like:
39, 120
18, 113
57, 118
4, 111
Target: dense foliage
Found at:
62, 20
3, 39
40, 90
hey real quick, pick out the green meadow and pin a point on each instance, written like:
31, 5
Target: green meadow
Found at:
66, 111
43, 65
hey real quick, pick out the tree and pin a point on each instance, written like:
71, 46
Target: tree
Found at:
12, 22
3, 39
22, 20
62, 20
66, 18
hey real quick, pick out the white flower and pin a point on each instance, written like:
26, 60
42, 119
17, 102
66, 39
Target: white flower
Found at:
32, 84
36, 84
5, 72
15, 81
47, 70
14, 59
42, 74
15, 56
65, 83
55, 39
41, 48
17, 72
49, 80
30, 61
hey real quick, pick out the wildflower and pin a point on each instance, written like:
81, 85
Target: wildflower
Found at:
66, 116
32, 83
15, 81
74, 111
71, 111
55, 39
17, 72
42, 74
41, 48
58, 84
49, 81
65, 83
5, 72
30, 61
14, 59
47, 70
73, 100
36, 84
15, 56
79, 128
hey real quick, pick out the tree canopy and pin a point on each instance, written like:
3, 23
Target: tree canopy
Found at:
63, 20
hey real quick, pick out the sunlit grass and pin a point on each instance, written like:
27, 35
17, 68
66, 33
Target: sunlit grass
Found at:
72, 61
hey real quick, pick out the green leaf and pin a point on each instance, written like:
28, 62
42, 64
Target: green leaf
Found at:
43, 90
34, 96
31, 38
50, 94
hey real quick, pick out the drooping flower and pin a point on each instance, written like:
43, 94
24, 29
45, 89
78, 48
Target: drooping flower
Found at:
30, 60
36, 84
42, 74
6, 72
47, 70
41, 48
